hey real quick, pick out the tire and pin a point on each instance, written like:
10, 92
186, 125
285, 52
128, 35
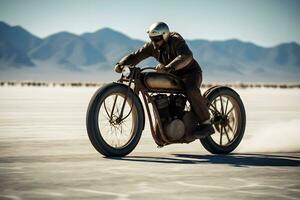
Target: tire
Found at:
93, 118
209, 143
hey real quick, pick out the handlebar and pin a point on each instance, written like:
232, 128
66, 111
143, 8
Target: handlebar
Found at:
142, 69
146, 68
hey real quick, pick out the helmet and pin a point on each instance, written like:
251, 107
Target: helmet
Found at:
159, 29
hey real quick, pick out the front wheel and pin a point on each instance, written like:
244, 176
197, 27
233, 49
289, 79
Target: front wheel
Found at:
229, 120
114, 120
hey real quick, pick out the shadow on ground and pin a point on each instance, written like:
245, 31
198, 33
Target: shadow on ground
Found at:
237, 160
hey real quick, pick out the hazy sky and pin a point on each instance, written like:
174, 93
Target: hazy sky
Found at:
264, 22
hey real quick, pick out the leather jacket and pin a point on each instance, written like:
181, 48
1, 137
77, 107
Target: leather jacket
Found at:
174, 54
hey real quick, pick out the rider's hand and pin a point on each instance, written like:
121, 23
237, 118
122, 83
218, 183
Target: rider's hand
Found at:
118, 68
160, 68
169, 68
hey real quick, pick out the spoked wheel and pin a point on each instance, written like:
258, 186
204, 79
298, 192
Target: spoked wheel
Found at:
229, 120
115, 120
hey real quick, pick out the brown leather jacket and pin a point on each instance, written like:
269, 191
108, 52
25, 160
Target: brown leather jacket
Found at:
175, 54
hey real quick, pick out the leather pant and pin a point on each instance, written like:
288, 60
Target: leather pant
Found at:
192, 81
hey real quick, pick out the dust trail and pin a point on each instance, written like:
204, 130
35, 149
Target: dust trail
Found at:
280, 137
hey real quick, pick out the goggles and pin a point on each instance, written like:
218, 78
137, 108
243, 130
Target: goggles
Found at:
156, 38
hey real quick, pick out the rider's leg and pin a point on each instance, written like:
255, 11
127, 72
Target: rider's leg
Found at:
192, 82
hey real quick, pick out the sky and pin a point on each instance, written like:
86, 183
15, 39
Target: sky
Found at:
264, 22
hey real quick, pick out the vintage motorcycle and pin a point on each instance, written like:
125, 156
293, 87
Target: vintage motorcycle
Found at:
115, 117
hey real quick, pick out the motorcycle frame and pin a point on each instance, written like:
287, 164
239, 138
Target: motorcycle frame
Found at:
161, 138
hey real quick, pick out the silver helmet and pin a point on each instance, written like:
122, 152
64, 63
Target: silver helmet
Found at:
159, 29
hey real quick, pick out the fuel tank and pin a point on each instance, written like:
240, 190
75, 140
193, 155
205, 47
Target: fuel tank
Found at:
162, 82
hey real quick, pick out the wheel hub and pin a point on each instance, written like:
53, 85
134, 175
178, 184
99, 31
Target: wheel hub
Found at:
225, 120
220, 119
115, 120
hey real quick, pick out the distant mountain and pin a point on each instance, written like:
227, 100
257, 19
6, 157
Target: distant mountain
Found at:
94, 54
246, 58
67, 49
113, 45
18, 37
12, 56
15, 42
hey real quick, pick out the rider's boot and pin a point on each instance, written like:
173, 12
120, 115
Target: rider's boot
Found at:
203, 130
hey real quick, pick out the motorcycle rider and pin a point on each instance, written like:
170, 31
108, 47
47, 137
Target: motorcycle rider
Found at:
174, 56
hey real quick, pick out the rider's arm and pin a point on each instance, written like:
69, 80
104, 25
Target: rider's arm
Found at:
137, 56
184, 55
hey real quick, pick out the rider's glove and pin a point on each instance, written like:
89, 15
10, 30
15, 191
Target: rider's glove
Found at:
160, 68
118, 68
169, 68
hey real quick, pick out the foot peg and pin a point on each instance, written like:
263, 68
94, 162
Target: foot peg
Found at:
204, 130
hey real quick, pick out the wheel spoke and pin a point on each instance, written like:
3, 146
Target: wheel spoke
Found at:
227, 135
221, 102
214, 110
215, 104
121, 129
111, 130
115, 131
233, 120
221, 135
230, 129
107, 125
231, 109
225, 111
125, 124
106, 117
117, 127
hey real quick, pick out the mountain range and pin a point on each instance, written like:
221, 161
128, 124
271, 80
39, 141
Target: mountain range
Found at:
91, 56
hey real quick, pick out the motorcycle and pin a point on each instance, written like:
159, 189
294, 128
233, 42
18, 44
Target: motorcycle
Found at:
115, 116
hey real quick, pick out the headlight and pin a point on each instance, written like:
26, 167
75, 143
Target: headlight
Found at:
126, 71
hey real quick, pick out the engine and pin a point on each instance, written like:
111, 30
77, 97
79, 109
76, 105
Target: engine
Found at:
175, 120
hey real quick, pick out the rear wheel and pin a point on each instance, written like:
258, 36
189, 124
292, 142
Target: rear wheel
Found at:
112, 132
229, 120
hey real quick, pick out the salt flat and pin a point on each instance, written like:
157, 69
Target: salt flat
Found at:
45, 153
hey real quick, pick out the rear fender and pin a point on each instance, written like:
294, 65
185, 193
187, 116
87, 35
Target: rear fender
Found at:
217, 88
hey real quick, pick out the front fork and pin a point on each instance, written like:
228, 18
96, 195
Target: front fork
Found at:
120, 118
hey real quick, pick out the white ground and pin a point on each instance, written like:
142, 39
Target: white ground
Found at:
45, 153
